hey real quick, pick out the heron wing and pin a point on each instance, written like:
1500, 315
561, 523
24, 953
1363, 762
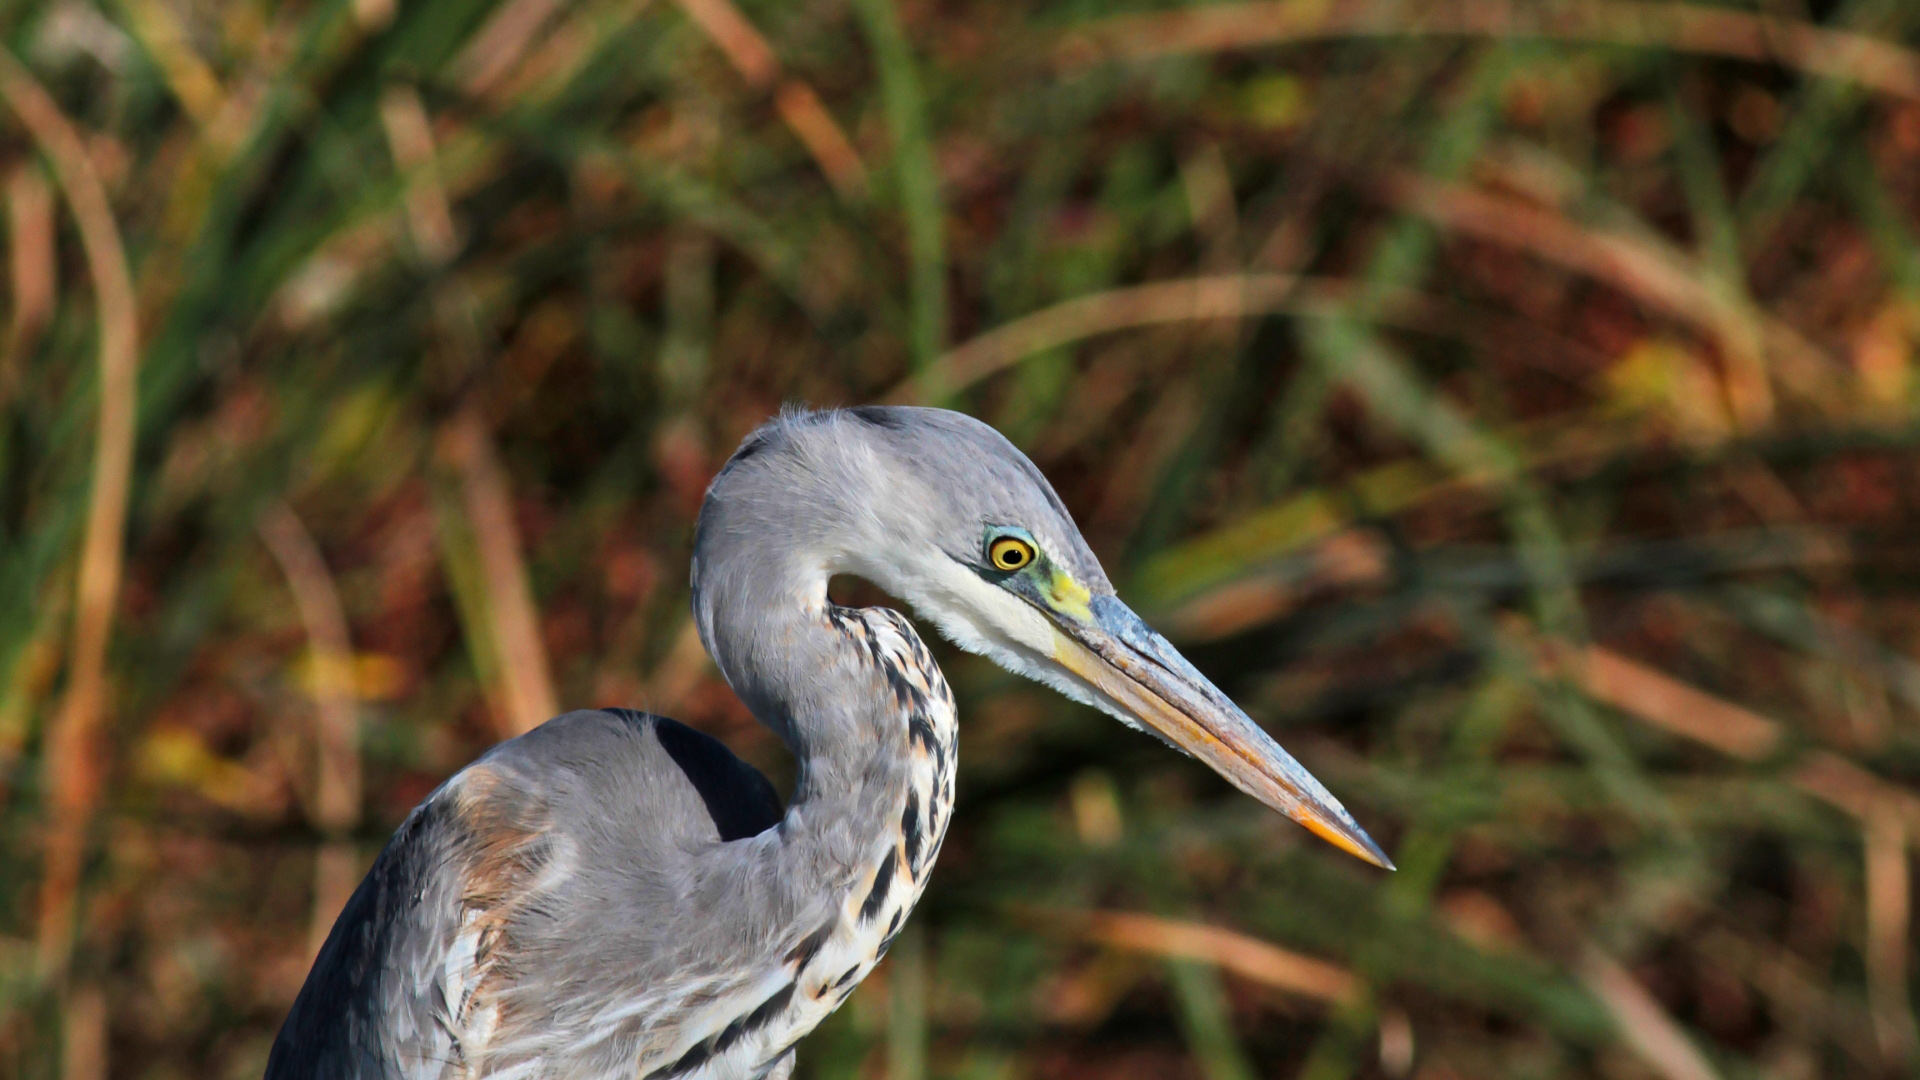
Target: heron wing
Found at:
361, 1012
485, 921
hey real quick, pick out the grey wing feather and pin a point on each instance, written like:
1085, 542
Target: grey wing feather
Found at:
362, 999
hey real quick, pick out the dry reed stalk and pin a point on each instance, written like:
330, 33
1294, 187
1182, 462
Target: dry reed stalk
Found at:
1644, 268
820, 133
316, 599
1250, 958
410, 139
1639, 690
799, 107
499, 45
373, 15
736, 37
33, 266
1881, 66
337, 772
1347, 558
83, 1034
1396, 1042
526, 689
560, 49
1643, 1022
73, 762
1889, 913
1836, 780
1227, 296
1691, 713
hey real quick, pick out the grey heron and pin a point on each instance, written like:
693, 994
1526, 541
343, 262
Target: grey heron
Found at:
616, 895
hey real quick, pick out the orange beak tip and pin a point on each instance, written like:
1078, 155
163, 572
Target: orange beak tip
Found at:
1358, 845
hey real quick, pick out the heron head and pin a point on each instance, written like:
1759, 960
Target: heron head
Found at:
943, 512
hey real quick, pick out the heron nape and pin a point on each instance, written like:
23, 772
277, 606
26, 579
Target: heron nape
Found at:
614, 894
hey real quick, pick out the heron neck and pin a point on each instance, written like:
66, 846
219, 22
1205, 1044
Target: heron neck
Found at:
857, 697
871, 721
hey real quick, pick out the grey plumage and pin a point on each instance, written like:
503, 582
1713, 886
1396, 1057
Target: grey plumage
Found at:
613, 894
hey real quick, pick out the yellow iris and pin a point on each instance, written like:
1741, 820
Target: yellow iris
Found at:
1010, 553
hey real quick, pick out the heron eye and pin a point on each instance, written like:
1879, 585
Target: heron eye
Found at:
1008, 553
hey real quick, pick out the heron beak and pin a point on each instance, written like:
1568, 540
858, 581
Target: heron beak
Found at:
1101, 641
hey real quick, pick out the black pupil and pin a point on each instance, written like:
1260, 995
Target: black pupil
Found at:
1011, 556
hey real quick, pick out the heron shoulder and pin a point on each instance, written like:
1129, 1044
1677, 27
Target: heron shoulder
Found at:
583, 770
739, 799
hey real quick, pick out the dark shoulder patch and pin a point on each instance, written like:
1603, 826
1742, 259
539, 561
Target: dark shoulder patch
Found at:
739, 799
879, 416
749, 447
634, 716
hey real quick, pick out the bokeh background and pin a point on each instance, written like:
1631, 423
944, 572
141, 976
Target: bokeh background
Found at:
1513, 404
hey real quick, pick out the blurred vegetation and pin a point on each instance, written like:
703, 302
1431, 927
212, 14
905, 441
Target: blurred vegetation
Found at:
1513, 405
